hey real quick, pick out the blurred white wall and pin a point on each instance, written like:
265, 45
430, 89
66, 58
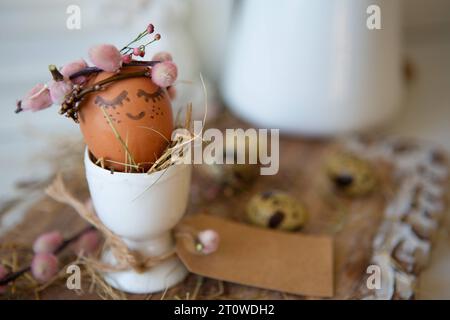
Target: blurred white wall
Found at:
424, 13
33, 35
426, 20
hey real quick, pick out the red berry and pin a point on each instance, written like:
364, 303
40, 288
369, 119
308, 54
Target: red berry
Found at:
127, 58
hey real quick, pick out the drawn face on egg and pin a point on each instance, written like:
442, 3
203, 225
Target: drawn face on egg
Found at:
139, 111
116, 114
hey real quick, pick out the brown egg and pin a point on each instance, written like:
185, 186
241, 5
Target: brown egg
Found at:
140, 112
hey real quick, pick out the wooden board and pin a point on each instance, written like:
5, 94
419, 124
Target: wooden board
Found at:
353, 222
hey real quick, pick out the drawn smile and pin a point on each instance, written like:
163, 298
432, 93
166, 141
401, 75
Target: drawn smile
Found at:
139, 116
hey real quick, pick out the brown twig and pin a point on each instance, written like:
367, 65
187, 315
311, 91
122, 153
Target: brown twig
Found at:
14, 275
18, 106
57, 76
90, 70
120, 76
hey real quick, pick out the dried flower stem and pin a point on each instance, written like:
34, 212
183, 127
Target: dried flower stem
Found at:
139, 37
150, 42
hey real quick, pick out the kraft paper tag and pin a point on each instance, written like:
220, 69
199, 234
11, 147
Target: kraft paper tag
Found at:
281, 261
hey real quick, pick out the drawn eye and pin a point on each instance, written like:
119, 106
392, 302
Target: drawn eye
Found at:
155, 96
117, 101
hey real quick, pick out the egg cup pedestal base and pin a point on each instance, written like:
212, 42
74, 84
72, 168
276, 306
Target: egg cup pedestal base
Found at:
142, 209
156, 279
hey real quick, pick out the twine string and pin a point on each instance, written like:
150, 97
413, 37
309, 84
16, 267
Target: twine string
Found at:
125, 257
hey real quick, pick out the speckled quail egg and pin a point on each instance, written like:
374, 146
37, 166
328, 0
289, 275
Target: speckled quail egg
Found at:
233, 175
350, 174
276, 210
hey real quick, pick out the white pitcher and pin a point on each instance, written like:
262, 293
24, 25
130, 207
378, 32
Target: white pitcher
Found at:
314, 67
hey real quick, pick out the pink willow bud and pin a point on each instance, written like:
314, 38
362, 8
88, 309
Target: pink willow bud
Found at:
164, 74
137, 51
3, 273
106, 57
48, 242
162, 56
209, 239
87, 243
72, 68
59, 90
44, 266
37, 98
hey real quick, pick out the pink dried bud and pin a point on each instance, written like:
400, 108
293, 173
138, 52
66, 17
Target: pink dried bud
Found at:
87, 244
37, 98
172, 92
140, 51
3, 273
157, 37
162, 56
164, 74
48, 242
137, 51
44, 266
150, 28
59, 90
106, 57
127, 58
209, 240
72, 68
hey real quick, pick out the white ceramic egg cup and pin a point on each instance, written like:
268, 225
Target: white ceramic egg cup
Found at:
142, 209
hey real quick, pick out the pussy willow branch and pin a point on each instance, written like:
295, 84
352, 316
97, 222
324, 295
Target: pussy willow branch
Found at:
120, 76
91, 70
14, 275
